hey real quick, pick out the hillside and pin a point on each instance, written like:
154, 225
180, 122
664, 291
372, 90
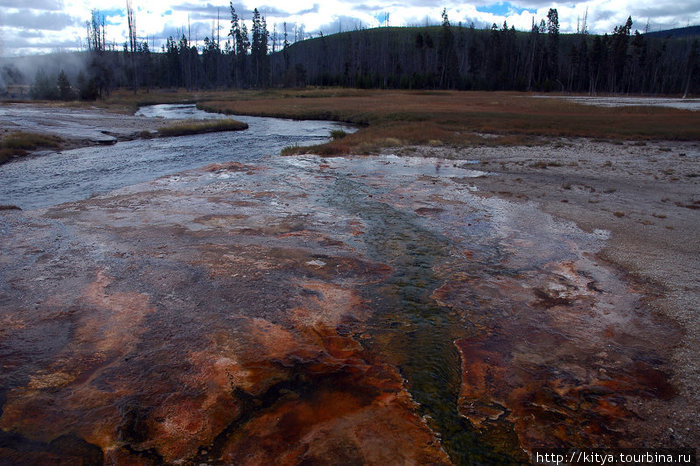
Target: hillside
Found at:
678, 33
495, 59
433, 57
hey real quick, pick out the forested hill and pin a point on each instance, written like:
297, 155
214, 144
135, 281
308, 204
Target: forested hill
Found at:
496, 59
686, 32
434, 57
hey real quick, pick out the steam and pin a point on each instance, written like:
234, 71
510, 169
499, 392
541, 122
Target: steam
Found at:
23, 70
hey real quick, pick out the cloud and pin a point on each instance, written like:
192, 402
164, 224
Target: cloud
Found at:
661, 10
341, 24
62, 21
208, 9
534, 4
209, 16
504, 9
47, 5
314, 9
209, 12
423, 4
30, 34
46, 43
47, 21
168, 31
198, 30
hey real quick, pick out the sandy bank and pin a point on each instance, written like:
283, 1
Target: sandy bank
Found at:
77, 127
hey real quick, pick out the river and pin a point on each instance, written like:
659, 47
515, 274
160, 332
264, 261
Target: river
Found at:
71, 175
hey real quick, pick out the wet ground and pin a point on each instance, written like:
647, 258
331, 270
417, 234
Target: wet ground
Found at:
304, 310
681, 104
84, 126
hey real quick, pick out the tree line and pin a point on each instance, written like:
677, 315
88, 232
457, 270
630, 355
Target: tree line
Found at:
501, 58
433, 57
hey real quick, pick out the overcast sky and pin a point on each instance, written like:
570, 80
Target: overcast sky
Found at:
40, 26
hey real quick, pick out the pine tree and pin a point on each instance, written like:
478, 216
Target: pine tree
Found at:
619, 56
237, 58
447, 56
553, 45
259, 50
43, 88
243, 46
64, 89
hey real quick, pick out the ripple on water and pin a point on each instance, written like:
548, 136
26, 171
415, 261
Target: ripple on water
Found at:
72, 175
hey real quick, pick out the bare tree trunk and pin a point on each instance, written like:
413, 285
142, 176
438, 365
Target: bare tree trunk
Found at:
691, 65
132, 42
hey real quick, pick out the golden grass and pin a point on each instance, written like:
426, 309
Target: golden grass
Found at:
19, 143
455, 118
199, 127
458, 118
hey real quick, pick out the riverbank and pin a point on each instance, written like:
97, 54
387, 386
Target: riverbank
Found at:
458, 119
77, 127
65, 127
388, 118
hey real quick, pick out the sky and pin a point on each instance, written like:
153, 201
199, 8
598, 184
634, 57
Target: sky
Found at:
41, 26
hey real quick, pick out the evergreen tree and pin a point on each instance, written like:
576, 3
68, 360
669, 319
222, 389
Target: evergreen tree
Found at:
464, 58
285, 51
447, 56
173, 68
64, 89
243, 47
240, 48
552, 46
259, 50
145, 67
618, 56
43, 88
235, 33
596, 62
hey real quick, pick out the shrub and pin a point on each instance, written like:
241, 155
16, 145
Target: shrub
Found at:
338, 134
18, 143
199, 127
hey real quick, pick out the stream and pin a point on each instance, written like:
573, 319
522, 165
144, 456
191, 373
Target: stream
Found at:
72, 175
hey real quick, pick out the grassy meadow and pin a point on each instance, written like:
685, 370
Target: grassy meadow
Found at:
395, 117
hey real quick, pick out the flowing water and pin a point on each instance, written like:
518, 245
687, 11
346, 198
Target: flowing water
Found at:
409, 327
77, 174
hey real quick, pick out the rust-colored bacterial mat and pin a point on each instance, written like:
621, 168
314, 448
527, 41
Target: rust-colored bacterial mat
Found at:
340, 311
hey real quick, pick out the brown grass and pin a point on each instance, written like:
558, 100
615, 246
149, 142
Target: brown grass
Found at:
199, 127
457, 118
19, 143
454, 118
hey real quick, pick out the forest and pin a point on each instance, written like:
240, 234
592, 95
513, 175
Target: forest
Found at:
445, 56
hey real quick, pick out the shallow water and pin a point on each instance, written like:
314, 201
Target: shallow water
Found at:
72, 175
